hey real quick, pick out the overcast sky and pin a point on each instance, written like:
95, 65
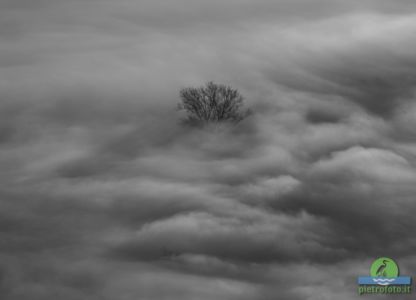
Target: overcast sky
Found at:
105, 195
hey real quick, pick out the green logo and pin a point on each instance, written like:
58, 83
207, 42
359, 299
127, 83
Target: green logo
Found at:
384, 267
384, 279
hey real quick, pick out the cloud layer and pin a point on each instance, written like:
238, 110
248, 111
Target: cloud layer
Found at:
104, 195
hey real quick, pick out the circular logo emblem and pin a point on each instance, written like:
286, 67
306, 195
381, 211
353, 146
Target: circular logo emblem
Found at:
384, 267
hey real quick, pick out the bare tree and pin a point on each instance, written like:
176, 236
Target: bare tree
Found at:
212, 103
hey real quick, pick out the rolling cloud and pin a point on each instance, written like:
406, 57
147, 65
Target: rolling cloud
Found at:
104, 195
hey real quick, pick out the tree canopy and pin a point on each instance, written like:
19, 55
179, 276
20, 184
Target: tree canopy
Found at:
212, 103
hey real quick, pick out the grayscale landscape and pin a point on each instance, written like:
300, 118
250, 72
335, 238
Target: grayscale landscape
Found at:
107, 194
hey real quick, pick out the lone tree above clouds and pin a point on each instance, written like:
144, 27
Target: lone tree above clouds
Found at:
212, 103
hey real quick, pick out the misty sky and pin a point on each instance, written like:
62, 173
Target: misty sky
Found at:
105, 195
